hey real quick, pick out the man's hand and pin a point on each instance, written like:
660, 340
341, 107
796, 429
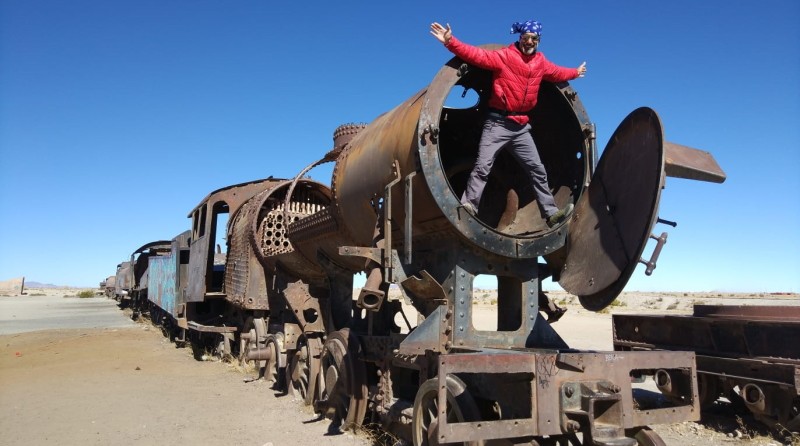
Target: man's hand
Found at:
582, 70
441, 33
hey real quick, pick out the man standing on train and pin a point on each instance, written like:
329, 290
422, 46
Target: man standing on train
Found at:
517, 71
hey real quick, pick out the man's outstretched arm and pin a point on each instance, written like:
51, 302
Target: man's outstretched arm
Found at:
489, 60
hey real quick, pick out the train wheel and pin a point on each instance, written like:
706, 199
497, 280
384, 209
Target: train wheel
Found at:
274, 343
793, 425
224, 347
255, 337
644, 436
303, 368
647, 437
708, 389
425, 419
343, 384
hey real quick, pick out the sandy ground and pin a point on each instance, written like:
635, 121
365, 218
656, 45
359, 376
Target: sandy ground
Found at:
129, 385
85, 374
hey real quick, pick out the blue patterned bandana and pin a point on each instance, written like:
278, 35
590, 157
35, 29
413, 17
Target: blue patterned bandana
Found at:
531, 26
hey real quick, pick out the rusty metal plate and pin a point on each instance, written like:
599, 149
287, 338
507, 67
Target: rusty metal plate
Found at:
686, 162
612, 221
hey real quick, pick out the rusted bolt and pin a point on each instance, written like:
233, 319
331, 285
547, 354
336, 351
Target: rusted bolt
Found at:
573, 426
568, 391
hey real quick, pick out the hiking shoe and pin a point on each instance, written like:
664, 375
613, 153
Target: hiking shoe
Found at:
555, 315
470, 208
560, 216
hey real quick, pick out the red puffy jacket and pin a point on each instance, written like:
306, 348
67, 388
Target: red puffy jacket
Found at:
515, 76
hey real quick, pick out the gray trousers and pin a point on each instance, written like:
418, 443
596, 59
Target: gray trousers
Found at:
500, 133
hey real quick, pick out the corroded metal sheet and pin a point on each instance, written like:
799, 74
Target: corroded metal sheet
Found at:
139, 260
553, 379
693, 164
237, 269
163, 282
166, 276
752, 348
612, 221
124, 279
757, 332
750, 312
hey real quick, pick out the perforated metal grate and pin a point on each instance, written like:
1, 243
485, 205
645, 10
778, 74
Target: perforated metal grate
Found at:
274, 224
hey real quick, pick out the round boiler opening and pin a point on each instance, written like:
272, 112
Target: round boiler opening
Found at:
508, 203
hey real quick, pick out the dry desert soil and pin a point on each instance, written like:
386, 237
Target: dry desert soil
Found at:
80, 372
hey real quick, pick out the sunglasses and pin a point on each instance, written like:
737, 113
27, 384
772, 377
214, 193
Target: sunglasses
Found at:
529, 38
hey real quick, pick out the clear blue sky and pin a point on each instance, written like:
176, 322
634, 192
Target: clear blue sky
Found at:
118, 117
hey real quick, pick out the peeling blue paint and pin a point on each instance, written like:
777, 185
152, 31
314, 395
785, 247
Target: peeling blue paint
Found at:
162, 281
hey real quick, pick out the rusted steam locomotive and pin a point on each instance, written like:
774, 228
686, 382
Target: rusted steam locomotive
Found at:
281, 294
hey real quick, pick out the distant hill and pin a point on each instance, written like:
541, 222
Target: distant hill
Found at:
31, 284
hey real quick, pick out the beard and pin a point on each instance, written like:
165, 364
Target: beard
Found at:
527, 49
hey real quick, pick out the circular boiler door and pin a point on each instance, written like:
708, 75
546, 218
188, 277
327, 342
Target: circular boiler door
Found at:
508, 221
613, 219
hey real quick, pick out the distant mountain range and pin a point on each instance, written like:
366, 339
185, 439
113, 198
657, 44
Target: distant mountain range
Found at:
31, 284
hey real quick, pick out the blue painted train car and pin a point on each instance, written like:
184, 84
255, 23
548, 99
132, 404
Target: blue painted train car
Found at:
167, 276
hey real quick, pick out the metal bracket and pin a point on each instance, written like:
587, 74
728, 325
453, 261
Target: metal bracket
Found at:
432, 131
597, 404
386, 261
374, 254
409, 215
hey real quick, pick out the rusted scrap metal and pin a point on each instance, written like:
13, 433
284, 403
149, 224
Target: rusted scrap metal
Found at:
109, 285
572, 391
758, 332
745, 353
124, 280
686, 162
